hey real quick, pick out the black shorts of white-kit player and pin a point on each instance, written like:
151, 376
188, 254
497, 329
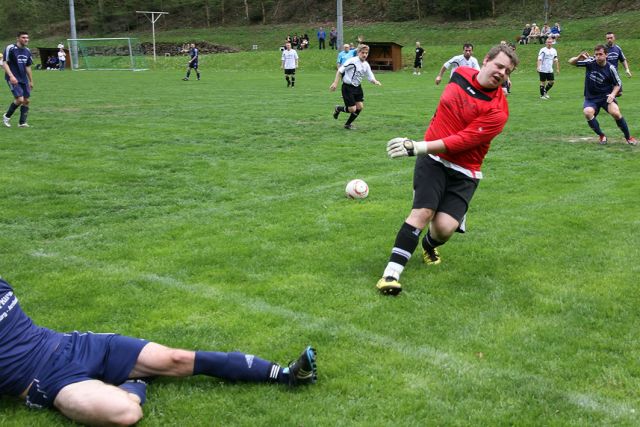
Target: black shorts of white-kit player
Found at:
442, 189
352, 94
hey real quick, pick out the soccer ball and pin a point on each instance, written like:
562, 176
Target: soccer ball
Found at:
357, 189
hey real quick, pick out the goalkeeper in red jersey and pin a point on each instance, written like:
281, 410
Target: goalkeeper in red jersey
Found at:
472, 111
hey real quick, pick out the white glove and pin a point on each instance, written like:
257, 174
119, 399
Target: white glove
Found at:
405, 147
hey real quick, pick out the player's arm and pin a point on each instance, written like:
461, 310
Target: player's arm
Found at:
581, 57
334, 85
29, 76
372, 78
538, 64
626, 67
557, 64
405, 147
442, 70
7, 70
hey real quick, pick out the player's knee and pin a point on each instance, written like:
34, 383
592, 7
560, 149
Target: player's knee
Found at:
420, 217
129, 415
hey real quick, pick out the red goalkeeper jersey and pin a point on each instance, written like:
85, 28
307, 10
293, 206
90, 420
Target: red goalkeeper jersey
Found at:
467, 119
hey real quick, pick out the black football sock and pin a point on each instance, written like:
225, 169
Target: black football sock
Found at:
352, 117
342, 109
293, 81
235, 366
548, 87
137, 387
24, 111
541, 90
198, 75
429, 243
593, 124
406, 242
12, 108
622, 124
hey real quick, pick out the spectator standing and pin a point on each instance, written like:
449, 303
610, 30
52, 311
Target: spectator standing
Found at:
17, 70
322, 35
417, 63
464, 60
333, 39
546, 58
351, 73
615, 55
601, 85
62, 57
289, 64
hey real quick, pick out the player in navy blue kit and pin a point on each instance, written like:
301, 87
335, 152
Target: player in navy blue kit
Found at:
17, 70
615, 54
193, 62
100, 378
601, 86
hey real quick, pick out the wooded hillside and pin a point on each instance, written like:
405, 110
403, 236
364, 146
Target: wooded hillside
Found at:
103, 17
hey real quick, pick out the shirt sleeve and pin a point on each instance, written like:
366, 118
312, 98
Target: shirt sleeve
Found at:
621, 57
480, 131
583, 63
370, 75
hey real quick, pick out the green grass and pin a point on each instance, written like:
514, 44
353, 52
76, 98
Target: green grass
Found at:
211, 215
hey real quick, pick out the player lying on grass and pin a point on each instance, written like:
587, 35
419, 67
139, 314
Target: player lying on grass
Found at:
601, 86
100, 379
472, 111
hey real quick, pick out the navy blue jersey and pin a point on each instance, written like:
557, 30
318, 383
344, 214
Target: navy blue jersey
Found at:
598, 81
614, 54
194, 54
18, 58
24, 347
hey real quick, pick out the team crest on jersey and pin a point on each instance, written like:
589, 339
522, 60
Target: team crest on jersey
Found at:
249, 359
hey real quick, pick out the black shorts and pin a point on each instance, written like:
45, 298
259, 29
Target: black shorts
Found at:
417, 63
442, 189
289, 71
546, 77
352, 94
193, 65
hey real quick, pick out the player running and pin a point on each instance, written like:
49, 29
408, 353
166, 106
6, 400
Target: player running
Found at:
351, 73
193, 62
472, 111
17, 73
465, 60
601, 86
101, 379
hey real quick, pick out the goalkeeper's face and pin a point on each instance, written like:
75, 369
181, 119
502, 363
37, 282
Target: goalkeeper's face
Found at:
495, 71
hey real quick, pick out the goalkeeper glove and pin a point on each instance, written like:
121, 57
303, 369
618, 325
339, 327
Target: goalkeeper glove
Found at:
405, 147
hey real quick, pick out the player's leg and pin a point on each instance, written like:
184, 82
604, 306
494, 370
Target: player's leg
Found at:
18, 99
24, 108
548, 86
159, 360
590, 113
614, 110
197, 70
355, 110
93, 402
542, 84
293, 77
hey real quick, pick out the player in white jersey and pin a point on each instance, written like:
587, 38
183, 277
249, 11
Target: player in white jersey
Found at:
289, 64
351, 73
546, 58
464, 60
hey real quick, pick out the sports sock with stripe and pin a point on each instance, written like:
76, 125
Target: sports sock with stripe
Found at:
236, 366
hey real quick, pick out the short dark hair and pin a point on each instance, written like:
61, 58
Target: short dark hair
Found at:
600, 47
22, 33
511, 53
609, 33
466, 45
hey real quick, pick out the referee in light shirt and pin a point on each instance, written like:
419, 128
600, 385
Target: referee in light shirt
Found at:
351, 73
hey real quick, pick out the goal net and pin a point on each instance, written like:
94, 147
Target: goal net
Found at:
107, 54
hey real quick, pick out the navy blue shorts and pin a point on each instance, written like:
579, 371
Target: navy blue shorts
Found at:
20, 89
597, 104
81, 357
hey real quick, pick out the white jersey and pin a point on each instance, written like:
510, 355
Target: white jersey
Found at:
62, 56
461, 61
289, 58
546, 57
354, 69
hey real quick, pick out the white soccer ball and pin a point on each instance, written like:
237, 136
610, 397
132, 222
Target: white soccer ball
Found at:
357, 189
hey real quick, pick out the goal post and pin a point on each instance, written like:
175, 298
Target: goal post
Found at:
112, 54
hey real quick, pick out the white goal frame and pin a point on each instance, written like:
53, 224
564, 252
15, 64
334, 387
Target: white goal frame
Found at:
75, 54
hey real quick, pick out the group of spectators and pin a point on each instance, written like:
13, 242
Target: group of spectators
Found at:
532, 33
302, 42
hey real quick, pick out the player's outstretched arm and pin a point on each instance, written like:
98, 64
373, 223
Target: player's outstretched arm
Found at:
405, 147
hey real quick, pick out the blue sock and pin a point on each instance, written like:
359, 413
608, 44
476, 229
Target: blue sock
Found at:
622, 124
593, 124
12, 108
137, 387
24, 110
237, 367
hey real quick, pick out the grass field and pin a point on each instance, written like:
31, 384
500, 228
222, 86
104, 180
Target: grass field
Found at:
211, 215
